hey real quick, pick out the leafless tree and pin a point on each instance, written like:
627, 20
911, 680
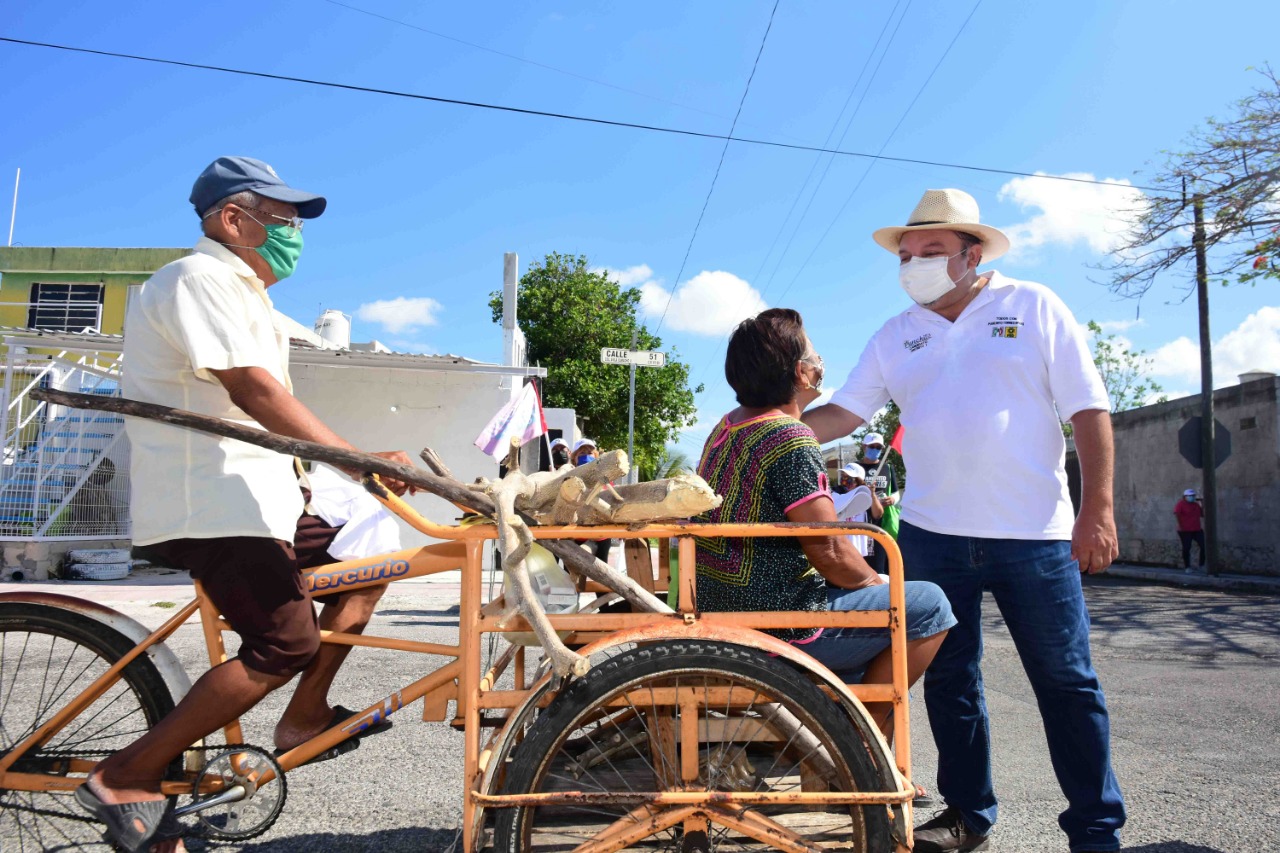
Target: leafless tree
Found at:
1234, 166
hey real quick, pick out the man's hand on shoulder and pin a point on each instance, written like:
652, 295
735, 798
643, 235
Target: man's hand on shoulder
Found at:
830, 422
1094, 542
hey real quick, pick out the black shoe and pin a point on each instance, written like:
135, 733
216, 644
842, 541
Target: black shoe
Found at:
947, 831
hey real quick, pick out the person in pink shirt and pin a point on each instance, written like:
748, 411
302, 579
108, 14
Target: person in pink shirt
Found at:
1189, 512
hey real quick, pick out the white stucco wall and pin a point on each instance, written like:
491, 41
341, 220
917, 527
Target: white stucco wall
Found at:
441, 410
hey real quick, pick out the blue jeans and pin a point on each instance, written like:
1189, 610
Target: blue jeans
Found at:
1037, 588
847, 651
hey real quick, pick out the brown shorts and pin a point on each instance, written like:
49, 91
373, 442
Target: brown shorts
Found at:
257, 585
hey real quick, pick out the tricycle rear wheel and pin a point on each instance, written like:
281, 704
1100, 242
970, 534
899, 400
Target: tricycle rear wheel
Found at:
617, 732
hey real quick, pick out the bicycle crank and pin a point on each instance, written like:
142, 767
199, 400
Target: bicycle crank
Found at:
238, 804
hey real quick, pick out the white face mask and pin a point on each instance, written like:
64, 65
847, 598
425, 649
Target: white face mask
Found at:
926, 280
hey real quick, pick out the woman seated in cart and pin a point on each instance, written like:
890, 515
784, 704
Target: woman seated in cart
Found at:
768, 467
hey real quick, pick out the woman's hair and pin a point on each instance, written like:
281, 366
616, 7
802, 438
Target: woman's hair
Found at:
761, 360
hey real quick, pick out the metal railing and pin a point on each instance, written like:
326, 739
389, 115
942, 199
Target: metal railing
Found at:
65, 473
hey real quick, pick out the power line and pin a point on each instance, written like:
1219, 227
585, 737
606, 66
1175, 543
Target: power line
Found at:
831, 133
835, 125
724, 150
676, 131
519, 58
887, 139
827, 169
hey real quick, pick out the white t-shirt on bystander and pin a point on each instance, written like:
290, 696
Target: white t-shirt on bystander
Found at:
985, 393
853, 506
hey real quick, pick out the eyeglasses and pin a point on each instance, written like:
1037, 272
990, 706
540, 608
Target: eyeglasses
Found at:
292, 222
815, 360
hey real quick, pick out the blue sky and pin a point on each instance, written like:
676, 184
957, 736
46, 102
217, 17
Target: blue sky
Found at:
425, 198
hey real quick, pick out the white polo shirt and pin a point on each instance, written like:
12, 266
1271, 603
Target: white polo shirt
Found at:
207, 311
983, 394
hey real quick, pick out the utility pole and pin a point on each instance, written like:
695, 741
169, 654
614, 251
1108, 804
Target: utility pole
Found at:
1208, 457
633, 476
14, 214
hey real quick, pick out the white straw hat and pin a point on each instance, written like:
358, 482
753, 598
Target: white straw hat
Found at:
946, 210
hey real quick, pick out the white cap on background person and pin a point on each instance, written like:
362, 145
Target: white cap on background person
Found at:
1189, 493
559, 442
584, 442
873, 438
854, 470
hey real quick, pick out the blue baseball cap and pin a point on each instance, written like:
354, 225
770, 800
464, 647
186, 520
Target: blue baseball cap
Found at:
227, 176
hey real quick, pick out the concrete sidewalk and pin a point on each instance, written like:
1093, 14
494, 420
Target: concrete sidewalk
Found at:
1196, 578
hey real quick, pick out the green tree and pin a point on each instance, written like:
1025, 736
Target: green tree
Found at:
568, 313
1125, 372
1234, 165
670, 462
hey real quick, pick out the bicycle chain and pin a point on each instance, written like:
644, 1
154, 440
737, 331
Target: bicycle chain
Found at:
195, 830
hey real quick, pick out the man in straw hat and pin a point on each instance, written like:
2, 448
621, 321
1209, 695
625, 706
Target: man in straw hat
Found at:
983, 366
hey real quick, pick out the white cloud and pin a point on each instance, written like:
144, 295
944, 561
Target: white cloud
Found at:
629, 277
710, 303
1253, 345
1119, 325
402, 313
1098, 216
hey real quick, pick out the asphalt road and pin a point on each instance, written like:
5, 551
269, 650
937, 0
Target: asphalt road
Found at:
1191, 678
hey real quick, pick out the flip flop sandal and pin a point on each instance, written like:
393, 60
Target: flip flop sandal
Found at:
342, 748
341, 715
132, 826
922, 798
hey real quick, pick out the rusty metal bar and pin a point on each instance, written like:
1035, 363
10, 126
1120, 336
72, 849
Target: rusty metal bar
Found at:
698, 798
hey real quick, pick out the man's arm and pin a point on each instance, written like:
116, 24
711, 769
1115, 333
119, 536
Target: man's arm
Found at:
830, 422
261, 396
1094, 541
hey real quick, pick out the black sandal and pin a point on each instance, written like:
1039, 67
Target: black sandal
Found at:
341, 715
132, 826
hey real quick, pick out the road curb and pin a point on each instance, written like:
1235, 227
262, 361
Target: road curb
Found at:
1196, 579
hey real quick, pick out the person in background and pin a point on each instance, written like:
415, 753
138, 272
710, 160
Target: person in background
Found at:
585, 451
856, 502
885, 487
559, 453
1189, 513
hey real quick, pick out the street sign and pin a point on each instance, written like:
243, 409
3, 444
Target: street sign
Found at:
640, 358
1189, 443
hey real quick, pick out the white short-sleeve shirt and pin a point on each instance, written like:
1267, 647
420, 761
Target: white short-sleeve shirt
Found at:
207, 311
983, 394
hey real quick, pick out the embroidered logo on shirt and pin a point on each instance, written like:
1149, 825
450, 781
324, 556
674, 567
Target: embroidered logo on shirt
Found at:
917, 343
1005, 327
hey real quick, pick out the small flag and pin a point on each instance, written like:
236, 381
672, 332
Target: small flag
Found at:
521, 418
896, 444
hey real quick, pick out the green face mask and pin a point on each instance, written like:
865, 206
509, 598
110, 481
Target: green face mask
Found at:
281, 250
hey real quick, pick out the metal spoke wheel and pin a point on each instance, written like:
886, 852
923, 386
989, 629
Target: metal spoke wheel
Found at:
47, 656
691, 720
259, 803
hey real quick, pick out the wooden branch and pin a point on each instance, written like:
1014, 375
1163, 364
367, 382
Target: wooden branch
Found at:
609, 467
435, 463
445, 487
515, 543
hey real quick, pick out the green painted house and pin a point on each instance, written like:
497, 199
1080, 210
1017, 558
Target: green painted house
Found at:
68, 288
